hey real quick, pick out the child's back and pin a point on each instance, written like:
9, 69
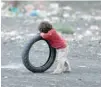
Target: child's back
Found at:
54, 39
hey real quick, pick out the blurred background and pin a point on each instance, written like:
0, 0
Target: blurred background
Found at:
78, 21
74, 14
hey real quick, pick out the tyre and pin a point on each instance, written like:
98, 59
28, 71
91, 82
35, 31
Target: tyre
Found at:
48, 63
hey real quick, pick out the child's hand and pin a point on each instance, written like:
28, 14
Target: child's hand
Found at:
45, 35
42, 34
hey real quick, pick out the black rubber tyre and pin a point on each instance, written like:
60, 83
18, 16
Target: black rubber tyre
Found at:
49, 62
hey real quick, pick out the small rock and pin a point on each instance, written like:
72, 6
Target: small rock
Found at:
79, 79
5, 42
5, 77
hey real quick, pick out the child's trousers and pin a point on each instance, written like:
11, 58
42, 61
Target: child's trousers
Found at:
62, 61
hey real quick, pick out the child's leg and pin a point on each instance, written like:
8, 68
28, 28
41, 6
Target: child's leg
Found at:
63, 64
60, 66
67, 66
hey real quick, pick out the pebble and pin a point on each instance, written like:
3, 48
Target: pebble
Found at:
5, 77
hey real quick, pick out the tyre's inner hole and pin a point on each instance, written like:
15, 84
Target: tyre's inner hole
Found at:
39, 53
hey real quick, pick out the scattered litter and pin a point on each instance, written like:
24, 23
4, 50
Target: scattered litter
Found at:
87, 33
78, 28
66, 15
94, 27
98, 18
46, 19
82, 66
54, 5
19, 37
2, 4
80, 37
67, 8
86, 17
55, 19
95, 38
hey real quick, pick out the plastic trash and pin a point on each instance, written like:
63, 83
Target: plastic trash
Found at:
54, 5
2, 4
34, 13
14, 9
67, 8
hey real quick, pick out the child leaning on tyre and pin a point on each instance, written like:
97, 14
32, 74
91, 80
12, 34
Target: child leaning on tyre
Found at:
56, 41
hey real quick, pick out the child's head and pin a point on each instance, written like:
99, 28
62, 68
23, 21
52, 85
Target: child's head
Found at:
45, 27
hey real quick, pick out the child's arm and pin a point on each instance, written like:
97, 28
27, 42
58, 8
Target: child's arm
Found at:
46, 35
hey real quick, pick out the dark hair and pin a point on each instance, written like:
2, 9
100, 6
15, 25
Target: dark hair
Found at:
45, 26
